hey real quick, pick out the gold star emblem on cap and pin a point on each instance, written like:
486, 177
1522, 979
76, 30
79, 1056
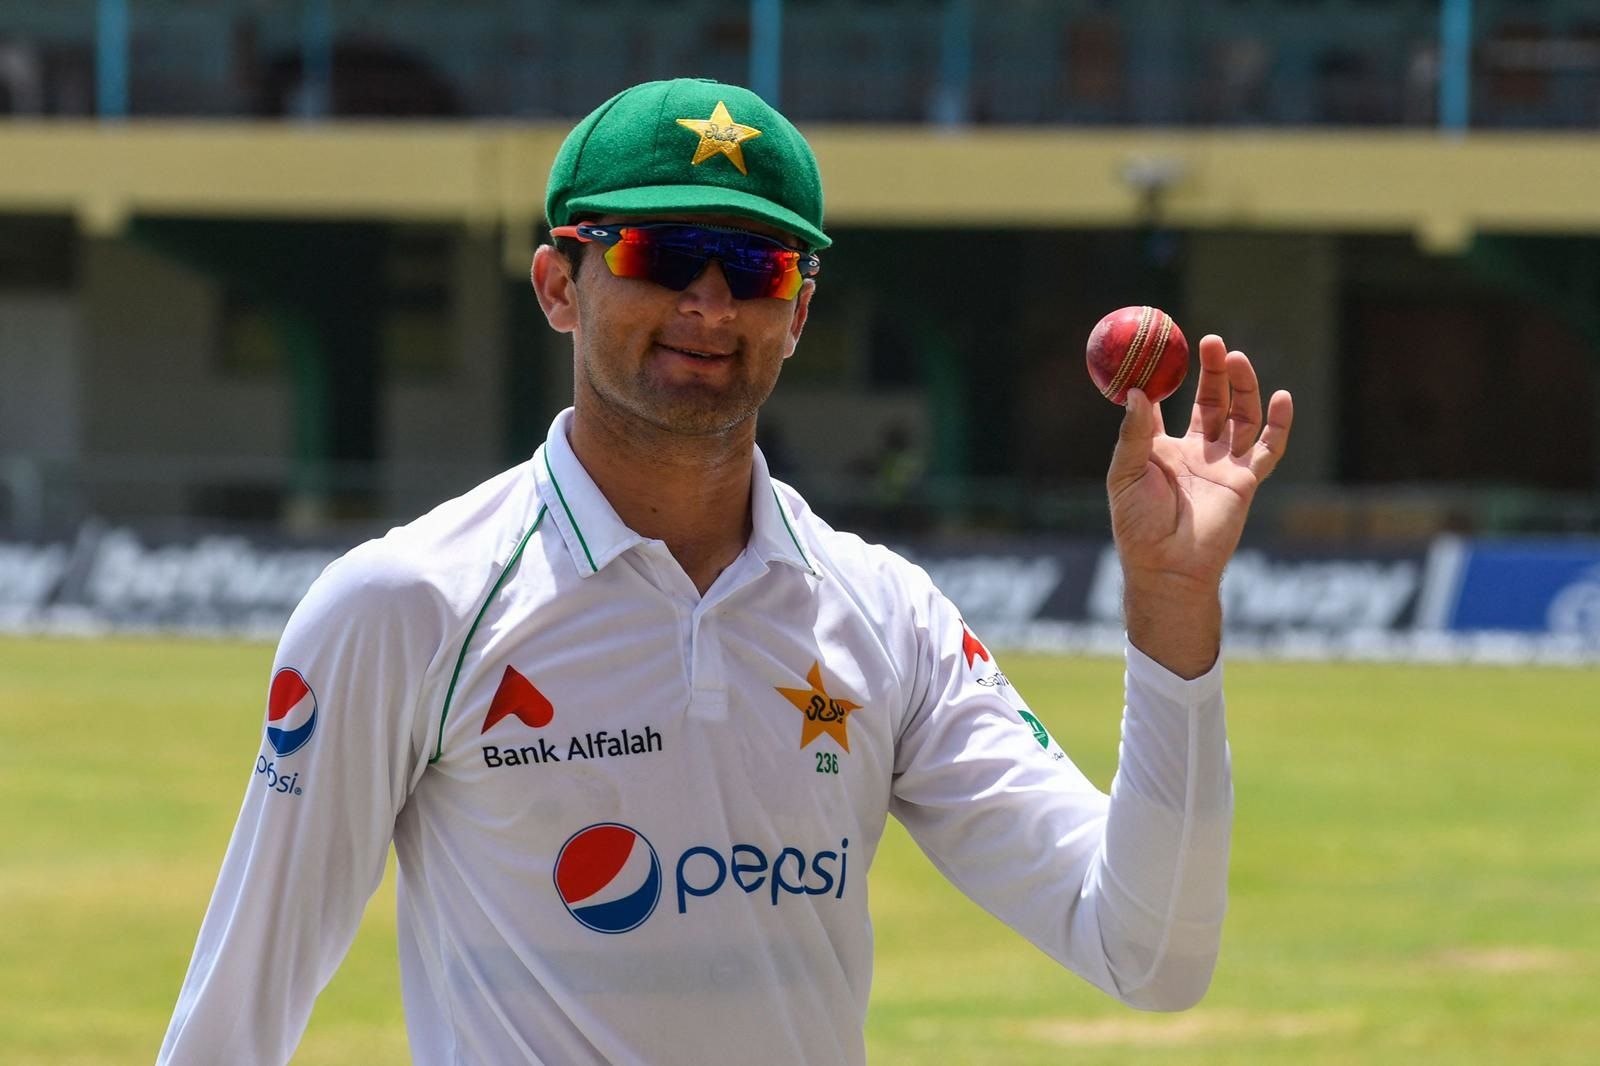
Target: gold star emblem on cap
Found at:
719, 134
824, 714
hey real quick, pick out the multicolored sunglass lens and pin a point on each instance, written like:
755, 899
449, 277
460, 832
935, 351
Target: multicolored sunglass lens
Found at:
674, 254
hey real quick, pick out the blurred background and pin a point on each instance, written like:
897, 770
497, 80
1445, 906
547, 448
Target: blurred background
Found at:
263, 290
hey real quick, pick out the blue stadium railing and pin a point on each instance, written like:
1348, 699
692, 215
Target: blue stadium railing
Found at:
1483, 63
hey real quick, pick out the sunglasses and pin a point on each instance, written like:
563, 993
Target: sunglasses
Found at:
674, 254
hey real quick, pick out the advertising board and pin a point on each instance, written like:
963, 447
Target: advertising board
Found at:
1451, 599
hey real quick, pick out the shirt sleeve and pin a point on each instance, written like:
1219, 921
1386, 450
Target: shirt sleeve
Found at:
1127, 890
342, 748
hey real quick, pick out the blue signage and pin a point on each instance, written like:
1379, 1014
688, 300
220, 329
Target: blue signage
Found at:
1530, 586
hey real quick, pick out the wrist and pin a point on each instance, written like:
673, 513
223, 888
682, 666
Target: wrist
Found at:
1171, 586
1175, 619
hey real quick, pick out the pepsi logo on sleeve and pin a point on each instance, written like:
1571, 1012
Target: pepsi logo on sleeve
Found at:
291, 712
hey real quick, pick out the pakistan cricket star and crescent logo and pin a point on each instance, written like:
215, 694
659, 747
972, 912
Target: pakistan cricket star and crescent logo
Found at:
823, 713
720, 135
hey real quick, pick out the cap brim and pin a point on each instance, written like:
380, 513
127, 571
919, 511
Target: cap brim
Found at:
701, 199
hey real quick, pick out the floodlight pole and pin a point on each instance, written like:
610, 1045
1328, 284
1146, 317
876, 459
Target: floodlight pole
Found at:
952, 102
766, 49
316, 60
111, 59
1455, 65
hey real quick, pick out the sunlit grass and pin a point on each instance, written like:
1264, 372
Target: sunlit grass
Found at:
1416, 872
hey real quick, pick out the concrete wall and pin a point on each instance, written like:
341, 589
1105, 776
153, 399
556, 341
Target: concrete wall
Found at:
1276, 298
40, 381
163, 416
41, 421
441, 434
160, 414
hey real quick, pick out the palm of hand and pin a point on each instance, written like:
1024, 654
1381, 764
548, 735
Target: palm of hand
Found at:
1178, 504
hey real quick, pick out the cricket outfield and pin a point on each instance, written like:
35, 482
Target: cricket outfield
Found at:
1416, 872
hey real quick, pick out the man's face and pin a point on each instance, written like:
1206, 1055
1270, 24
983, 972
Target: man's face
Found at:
690, 363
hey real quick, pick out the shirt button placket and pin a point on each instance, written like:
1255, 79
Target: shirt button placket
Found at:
707, 681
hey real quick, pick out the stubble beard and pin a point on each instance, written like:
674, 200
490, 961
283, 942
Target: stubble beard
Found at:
688, 409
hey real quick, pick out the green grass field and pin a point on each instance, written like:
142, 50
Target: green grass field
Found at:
1416, 872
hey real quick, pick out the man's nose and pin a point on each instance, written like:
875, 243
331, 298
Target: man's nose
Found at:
708, 294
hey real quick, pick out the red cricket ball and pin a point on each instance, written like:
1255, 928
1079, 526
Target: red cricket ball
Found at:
1137, 348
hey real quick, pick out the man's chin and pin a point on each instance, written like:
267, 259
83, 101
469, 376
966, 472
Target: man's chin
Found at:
699, 409
688, 412
701, 422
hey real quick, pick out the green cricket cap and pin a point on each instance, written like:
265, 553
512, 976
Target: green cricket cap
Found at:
688, 145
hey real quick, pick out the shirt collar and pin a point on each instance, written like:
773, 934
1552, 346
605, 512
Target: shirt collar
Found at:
595, 535
772, 526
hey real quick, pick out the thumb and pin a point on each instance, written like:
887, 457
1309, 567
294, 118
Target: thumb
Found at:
1135, 441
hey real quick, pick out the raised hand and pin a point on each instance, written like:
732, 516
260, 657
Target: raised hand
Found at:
1178, 504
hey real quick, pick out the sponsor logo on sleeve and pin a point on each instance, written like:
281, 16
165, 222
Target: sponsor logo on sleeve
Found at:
1041, 735
291, 721
291, 712
973, 648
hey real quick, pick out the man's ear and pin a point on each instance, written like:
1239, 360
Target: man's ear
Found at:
802, 308
553, 285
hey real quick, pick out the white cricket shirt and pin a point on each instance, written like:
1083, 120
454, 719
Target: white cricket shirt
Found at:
634, 823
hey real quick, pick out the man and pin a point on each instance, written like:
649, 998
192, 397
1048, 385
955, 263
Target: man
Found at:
634, 717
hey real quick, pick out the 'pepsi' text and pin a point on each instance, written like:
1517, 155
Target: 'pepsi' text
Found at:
789, 872
288, 784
